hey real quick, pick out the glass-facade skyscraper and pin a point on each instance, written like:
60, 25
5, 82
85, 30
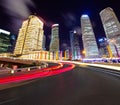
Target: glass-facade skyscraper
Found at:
75, 47
103, 50
112, 29
54, 44
88, 37
5, 43
30, 37
44, 42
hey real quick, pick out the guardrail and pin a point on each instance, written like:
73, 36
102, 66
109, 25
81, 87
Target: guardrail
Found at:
12, 71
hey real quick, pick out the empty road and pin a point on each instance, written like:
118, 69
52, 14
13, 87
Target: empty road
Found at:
81, 86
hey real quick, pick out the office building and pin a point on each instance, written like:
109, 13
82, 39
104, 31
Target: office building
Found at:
30, 37
54, 44
75, 47
103, 50
88, 37
5, 43
112, 29
43, 43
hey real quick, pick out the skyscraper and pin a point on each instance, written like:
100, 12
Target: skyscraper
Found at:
4, 41
103, 50
112, 29
12, 42
75, 47
88, 37
30, 36
44, 42
54, 44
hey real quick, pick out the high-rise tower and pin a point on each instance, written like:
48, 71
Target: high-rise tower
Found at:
103, 50
30, 36
44, 42
75, 47
88, 37
112, 29
54, 44
4, 41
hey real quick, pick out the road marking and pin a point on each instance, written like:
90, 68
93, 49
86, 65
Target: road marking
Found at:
7, 101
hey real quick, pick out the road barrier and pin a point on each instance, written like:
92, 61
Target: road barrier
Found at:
12, 71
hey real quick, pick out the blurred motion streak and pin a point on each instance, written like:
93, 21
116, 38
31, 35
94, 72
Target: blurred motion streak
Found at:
38, 74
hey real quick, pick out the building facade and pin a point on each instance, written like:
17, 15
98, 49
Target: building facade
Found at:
103, 50
43, 43
54, 44
112, 29
30, 37
13, 38
5, 43
88, 37
75, 47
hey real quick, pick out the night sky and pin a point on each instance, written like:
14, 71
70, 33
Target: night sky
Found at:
66, 13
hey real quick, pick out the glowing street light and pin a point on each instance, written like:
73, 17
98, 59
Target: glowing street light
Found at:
113, 41
84, 52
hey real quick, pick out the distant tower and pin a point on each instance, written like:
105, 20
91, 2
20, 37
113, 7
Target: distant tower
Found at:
88, 37
44, 42
112, 29
30, 36
54, 44
103, 47
75, 47
12, 42
4, 41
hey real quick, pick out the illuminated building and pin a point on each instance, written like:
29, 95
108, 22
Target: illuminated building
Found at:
103, 51
43, 43
30, 37
54, 44
88, 37
67, 53
37, 55
112, 29
75, 48
4, 41
12, 42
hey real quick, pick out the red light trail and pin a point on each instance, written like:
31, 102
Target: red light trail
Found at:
38, 74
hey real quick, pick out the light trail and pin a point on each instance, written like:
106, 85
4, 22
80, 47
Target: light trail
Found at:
37, 74
109, 69
100, 65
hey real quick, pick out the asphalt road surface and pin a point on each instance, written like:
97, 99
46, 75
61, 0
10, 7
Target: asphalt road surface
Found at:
81, 86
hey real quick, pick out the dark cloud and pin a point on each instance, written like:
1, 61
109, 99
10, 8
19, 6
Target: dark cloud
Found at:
17, 8
69, 20
16, 11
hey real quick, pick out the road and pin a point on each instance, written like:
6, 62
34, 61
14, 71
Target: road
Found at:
81, 86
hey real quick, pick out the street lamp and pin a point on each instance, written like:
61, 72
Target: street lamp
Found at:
84, 52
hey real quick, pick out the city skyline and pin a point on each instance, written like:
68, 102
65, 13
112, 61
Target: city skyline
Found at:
57, 52
91, 24
66, 14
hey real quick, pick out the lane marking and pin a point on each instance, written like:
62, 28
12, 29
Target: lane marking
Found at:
7, 101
